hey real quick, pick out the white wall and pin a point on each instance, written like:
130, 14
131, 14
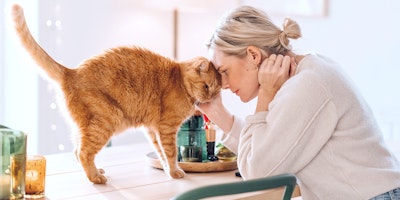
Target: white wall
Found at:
18, 83
361, 35
70, 31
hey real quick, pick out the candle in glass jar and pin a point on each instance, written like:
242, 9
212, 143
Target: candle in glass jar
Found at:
210, 139
5, 186
35, 176
18, 162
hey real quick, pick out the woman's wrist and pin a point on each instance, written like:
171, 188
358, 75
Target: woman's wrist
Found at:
264, 98
219, 115
222, 118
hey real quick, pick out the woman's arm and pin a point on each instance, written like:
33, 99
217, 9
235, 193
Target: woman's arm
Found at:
284, 139
217, 113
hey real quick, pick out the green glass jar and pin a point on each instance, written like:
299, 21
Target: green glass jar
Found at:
192, 140
13, 162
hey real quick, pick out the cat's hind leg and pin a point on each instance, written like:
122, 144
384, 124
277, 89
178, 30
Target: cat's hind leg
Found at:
90, 143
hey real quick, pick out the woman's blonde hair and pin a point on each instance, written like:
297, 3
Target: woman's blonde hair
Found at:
247, 26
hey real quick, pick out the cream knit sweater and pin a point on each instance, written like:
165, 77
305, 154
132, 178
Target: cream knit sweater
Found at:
319, 128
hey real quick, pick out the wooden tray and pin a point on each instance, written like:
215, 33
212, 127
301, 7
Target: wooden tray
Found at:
216, 166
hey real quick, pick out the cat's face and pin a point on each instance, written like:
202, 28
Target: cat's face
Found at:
201, 79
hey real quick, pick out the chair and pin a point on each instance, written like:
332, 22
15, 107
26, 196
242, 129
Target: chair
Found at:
1, 126
287, 180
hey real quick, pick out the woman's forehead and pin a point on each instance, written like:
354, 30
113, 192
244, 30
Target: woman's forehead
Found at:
218, 55
216, 58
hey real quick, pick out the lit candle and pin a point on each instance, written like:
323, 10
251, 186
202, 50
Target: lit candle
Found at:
5, 186
35, 176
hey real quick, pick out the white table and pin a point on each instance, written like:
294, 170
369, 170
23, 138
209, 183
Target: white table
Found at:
130, 177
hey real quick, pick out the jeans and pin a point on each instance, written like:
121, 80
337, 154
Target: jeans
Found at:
391, 195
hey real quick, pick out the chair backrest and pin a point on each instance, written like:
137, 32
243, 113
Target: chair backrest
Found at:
1, 126
288, 180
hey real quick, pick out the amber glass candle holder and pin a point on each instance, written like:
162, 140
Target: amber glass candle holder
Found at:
35, 177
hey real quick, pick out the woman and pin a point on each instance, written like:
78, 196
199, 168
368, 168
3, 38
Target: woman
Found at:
310, 120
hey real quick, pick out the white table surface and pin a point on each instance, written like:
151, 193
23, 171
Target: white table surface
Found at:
130, 177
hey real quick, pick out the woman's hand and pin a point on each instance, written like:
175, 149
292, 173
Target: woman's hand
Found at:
217, 113
273, 72
212, 105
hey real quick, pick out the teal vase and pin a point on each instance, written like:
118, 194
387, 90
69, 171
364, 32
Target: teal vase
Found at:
192, 140
13, 162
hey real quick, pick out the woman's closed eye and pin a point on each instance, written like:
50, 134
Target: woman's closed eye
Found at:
223, 71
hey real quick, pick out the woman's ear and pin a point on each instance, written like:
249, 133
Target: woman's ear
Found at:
254, 54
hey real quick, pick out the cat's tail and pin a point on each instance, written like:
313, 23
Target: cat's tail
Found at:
53, 69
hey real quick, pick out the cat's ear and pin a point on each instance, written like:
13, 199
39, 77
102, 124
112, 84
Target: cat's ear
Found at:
199, 64
202, 66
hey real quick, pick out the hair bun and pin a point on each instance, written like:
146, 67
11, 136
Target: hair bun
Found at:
283, 39
291, 28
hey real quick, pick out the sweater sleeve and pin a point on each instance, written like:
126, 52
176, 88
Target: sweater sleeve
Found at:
300, 120
231, 139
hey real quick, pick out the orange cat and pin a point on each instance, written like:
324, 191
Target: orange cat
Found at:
126, 87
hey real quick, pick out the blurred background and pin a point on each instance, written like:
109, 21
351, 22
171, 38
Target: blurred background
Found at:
360, 35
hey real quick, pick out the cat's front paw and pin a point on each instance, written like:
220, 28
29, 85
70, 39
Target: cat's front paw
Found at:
98, 179
178, 173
